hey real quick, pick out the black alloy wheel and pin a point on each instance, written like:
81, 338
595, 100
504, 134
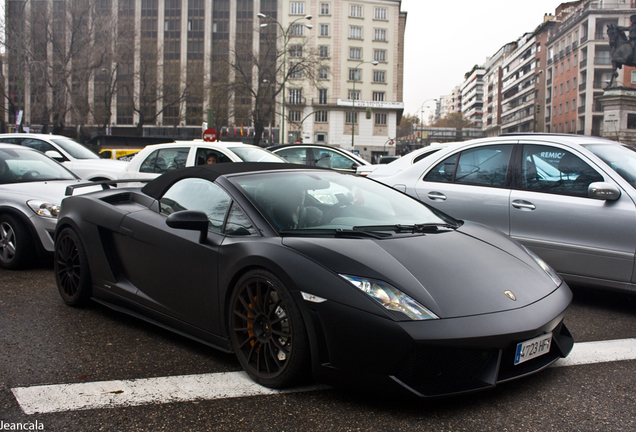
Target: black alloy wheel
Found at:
267, 331
72, 273
16, 247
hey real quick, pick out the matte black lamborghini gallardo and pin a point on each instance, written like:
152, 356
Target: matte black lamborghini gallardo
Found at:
306, 272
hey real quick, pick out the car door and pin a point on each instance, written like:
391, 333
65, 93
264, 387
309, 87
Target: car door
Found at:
551, 213
471, 184
174, 273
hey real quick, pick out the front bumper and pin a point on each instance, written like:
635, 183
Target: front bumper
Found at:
435, 357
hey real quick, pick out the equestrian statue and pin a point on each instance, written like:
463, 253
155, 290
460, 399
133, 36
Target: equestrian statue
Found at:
622, 49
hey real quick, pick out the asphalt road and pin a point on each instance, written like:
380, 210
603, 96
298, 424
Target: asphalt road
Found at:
47, 342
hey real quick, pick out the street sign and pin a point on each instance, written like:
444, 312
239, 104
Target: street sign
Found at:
209, 135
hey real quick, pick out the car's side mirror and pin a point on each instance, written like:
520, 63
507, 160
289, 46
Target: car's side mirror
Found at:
54, 154
603, 191
192, 220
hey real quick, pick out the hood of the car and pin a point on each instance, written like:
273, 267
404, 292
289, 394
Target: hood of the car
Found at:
50, 191
453, 273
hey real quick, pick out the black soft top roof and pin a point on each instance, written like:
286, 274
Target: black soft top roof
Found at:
161, 184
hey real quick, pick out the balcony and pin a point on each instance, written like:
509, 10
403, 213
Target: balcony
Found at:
583, 63
582, 86
548, 100
581, 109
583, 39
597, 107
602, 60
550, 61
547, 119
548, 81
296, 101
575, 45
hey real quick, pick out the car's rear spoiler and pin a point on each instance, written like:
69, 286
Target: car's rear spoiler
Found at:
105, 184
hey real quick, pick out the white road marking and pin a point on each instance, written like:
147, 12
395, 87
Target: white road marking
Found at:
111, 394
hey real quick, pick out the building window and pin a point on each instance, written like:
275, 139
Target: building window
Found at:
379, 55
355, 74
295, 116
379, 76
355, 32
567, 106
357, 11
324, 8
573, 103
323, 73
297, 8
323, 51
296, 30
355, 53
354, 94
379, 35
321, 116
322, 96
295, 96
378, 96
296, 51
634, 77
295, 70
324, 29
573, 130
380, 119
380, 14
351, 115
567, 86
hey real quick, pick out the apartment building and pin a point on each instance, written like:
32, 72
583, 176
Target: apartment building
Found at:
472, 96
493, 83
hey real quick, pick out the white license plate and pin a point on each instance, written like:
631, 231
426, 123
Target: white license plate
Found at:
533, 348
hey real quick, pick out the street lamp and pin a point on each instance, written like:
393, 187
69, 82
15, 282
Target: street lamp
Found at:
353, 100
422, 111
285, 33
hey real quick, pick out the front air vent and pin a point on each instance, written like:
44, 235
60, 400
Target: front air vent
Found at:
121, 198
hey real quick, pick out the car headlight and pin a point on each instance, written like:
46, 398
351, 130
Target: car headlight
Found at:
391, 298
544, 265
44, 209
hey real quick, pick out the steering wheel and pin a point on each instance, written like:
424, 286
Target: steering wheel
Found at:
332, 212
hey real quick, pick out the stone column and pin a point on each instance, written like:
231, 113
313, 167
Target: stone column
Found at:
619, 114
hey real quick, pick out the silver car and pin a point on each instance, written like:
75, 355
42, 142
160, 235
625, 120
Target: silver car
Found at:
32, 186
568, 198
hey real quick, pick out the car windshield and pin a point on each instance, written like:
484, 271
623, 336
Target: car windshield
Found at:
75, 149
621, 158
307, 201
255, 154
22, 165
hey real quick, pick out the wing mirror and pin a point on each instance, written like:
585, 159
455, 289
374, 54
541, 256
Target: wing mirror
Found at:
603, 191
54, 154
190, 220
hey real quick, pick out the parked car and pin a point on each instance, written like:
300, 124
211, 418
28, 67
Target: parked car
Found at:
255, 258
32, 187
157, 159
569, 198
73, 155
401, 163
319, 155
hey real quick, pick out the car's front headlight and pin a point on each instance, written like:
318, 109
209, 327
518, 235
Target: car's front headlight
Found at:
391, 298
545, 266
44, 209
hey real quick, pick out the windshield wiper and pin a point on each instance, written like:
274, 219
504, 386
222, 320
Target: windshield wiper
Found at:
415, 228
337, 232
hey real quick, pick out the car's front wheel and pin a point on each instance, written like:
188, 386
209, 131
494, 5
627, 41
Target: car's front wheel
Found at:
72, 273
267, 331
16, 247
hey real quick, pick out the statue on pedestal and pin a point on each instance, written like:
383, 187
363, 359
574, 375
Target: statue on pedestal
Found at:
622, 49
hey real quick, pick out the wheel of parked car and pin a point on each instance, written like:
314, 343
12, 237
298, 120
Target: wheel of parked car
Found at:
267, 331
71, 269
15, 243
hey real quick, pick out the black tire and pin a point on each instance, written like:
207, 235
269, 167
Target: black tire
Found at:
267, 331
16, 246
72, 273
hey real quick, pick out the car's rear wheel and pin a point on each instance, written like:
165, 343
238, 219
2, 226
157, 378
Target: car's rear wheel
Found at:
72, 273
267, 331
16, 247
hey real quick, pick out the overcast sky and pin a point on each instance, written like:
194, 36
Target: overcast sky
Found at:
445, 39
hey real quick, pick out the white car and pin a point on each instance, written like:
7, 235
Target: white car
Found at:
32, 187
73, 155
157, 159
383, 170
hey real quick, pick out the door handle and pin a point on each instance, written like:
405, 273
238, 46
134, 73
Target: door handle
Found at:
523, 205
436, 196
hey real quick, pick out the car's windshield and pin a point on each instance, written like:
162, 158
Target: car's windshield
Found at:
255, 154
621, 158
24, 165
75, 149
300, 200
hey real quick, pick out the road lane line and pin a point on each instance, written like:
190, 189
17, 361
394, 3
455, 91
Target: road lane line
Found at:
185, 388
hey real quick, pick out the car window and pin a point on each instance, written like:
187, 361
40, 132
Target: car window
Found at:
554, 170
254, 154
75, 149
422, 156
162, 160
294, 155
621, 158
197, 194
238, 223
10, 140
39, 145
22, 165
443, 171
204, 153
330, 159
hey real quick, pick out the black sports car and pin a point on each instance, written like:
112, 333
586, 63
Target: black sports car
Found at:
307, 272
